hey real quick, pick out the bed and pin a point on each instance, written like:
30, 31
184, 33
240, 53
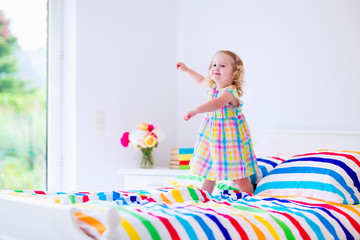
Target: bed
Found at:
307, 187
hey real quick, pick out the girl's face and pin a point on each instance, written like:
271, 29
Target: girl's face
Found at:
222, 70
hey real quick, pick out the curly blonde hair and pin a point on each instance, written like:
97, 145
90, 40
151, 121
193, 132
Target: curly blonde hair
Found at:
238, 71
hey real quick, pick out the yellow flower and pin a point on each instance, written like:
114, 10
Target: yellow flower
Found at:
143, 126
150, 141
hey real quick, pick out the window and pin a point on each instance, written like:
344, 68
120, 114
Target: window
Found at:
23, 94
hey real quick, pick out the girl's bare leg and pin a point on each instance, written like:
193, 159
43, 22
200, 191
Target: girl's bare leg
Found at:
245, 185
208, 185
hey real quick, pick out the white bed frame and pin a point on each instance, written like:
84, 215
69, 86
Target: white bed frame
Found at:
36, 220
282, 142
29, 219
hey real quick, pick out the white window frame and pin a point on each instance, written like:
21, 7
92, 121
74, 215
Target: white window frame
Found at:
61, 130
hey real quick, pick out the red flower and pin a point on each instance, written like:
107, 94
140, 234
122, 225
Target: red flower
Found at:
125, 139
153, 134
150, 127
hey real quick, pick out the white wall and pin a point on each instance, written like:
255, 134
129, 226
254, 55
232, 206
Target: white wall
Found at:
301, 60
125, 58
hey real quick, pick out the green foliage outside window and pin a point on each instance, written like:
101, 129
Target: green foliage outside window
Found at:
22, 121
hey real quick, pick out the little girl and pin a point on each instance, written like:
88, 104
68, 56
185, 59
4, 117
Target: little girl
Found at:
223, 149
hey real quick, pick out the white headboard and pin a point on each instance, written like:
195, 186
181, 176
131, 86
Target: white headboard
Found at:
278, 142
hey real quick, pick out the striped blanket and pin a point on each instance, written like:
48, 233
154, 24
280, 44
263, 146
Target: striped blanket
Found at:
189, 213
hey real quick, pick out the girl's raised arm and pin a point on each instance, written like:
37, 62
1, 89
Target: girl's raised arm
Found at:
198, 78
213, 105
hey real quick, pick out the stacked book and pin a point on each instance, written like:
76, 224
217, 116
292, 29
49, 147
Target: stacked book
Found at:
180, 158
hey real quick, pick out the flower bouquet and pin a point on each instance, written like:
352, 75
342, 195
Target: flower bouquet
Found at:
145, 138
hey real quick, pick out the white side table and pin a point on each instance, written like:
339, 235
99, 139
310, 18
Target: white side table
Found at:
147, 179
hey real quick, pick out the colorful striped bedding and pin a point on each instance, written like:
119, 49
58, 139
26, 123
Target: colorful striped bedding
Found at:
189, 213
266, 164
332, 176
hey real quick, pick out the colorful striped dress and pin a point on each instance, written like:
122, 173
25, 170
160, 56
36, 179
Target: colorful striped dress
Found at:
223, 149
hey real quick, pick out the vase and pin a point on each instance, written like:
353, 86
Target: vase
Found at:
147, 160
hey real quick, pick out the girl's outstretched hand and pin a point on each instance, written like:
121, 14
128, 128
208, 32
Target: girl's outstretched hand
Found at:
181, 66
189, 115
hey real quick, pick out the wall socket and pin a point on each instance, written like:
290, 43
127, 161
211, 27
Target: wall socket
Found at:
100, 120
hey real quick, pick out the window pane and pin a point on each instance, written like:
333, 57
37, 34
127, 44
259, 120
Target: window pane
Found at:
23, 99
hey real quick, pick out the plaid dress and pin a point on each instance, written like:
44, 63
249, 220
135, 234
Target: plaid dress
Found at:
223, 149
